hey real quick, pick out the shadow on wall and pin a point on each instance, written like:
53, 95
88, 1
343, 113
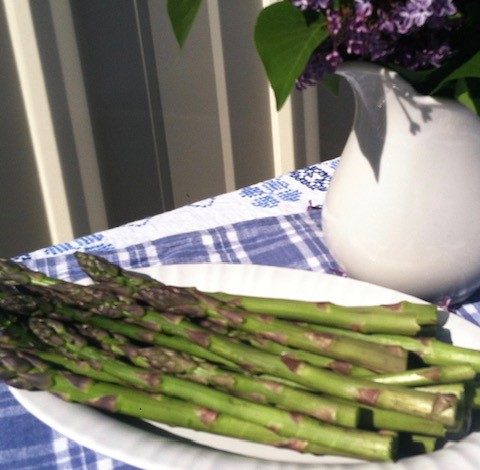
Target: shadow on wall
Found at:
335, 119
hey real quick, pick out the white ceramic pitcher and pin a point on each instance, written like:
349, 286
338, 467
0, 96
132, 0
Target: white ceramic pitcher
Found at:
403, 208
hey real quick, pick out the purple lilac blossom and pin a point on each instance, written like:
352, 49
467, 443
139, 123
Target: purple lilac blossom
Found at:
334, 22
414, 13
410, 33
363, 8
431, 55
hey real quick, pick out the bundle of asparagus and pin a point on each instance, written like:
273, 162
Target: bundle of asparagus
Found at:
312, 377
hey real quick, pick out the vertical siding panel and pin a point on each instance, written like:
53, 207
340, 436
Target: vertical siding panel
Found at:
39, 118
188, 89
78, 115
222, 98
248, 94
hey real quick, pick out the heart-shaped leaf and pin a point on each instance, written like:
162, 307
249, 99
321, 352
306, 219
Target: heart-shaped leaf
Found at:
285, 39
182, 13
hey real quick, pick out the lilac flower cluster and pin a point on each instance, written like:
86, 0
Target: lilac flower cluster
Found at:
410, 33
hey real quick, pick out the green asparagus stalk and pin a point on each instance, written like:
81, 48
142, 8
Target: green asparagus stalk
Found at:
435, 352
465, 393
14, 274
432, 351
403, 317
429, 375
341, 367
247, 387
149, 290
140, 286
26, 373
377, 418
363, 444
457, 389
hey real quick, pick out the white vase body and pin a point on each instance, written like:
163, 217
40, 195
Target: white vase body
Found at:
403, 208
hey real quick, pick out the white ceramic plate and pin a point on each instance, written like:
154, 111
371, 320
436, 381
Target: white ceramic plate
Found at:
149, 447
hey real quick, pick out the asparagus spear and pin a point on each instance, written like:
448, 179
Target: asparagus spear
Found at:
360, 443
27, 372
403, 317
342, 367
457, 389
250, 388
14, 274
430, 350
429, 375
435, 352
377, 418
149, 290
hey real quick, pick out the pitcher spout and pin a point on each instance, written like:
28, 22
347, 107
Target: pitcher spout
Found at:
369, 126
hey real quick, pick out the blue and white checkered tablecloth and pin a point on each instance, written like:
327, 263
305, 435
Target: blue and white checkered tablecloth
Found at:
276, 223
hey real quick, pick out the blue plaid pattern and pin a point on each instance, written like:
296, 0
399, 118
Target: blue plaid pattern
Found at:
293, 241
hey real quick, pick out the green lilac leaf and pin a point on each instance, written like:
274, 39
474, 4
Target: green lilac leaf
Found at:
285, 40
182, 14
